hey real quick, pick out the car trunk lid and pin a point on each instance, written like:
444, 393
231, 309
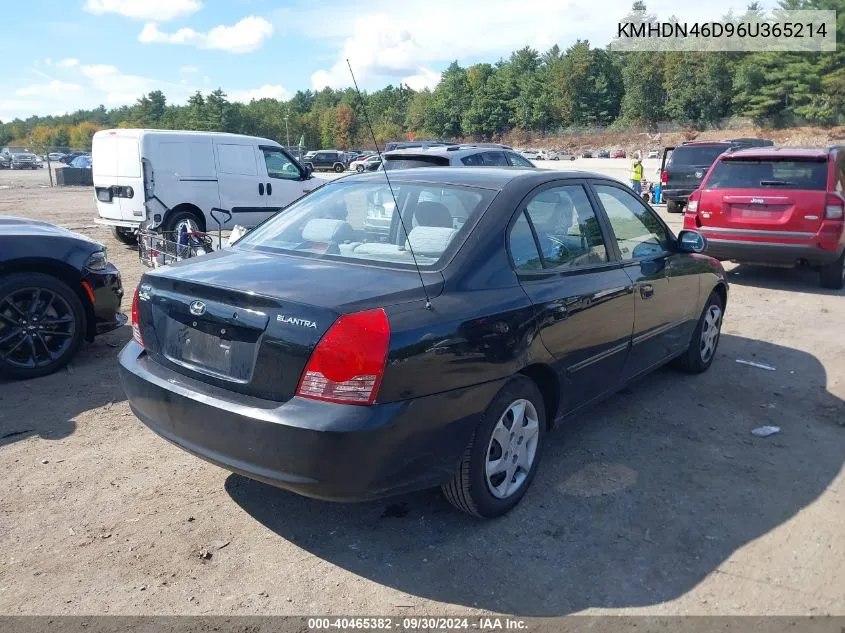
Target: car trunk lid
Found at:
200, 320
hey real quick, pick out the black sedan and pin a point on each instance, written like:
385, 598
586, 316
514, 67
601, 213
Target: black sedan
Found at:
56, 289
314, 360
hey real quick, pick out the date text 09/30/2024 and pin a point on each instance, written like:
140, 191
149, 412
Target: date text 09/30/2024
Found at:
421, 623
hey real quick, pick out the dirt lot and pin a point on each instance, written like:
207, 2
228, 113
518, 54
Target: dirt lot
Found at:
659, 501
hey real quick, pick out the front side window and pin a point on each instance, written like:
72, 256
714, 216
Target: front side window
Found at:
637, 230
357, 221
279, 165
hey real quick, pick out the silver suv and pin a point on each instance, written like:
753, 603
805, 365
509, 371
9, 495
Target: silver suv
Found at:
480, 155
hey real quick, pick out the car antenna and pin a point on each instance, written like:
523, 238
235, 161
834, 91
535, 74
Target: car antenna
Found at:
390, 186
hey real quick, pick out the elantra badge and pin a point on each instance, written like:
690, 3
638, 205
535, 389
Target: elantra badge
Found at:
197, 308
282, 318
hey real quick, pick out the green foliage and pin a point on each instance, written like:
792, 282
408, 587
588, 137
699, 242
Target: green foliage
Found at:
530, 92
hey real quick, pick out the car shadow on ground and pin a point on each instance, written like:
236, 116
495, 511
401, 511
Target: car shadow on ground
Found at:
47, 406
798, 279
634, 504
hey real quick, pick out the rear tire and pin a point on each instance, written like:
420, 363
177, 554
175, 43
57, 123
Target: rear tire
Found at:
339, 169
705, 340
471, 489
174, 219
359, 169
54, 329
833, 275
673, 206
125, 236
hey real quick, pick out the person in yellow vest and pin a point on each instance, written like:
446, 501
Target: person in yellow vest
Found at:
637, 173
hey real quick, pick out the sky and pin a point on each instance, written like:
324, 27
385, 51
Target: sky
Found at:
63, 55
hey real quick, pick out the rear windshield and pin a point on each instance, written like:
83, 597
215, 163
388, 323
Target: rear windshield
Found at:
696, 156
358, 222
410, 162
775, 174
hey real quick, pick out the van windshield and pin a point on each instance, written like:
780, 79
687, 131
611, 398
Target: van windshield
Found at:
359, 222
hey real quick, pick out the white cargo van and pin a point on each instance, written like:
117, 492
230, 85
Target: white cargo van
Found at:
162, 179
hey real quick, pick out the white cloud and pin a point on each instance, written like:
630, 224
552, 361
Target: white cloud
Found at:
189, 69
152, 10
245, 36
424, 78
53, 90
266, 91
389, 41
118, 88
68, 62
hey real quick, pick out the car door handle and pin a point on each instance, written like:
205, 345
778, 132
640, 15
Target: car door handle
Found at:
260, 188
646, 291
269, 189
558, 310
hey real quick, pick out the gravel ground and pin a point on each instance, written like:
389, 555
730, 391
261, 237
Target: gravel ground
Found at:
658, 501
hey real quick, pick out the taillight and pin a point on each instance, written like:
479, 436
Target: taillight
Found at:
136, 327
692, 203
348, 363
664, 176
834, 208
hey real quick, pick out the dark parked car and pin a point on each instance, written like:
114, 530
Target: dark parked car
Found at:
326, 161
312, 360
56, 289
603, 153
684, 166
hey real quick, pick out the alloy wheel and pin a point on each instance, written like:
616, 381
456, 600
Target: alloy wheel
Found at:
512, 449
37, 327
710, 329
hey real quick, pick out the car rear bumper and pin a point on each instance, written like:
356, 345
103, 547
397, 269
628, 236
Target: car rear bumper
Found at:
679, 195
770, 252
317, 449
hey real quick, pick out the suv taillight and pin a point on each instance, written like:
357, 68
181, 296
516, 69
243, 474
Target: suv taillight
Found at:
348, 363
136, 327
692, 203
834, 208
664, 176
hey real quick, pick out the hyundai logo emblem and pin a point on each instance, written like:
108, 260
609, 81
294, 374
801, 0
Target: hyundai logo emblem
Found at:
197, 308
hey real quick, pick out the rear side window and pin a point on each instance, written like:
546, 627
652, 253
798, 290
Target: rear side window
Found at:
494, 159
412, 162
237, 159
473, 160
516, 160
775, 174
695, 155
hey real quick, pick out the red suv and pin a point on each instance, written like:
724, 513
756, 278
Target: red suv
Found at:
774, 205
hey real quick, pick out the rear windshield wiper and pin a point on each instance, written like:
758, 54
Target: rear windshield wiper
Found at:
775, 183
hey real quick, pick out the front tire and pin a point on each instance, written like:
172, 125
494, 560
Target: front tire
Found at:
705, 340
125, 236
502, 458
833, 275
42, 324
339, 169
359, 169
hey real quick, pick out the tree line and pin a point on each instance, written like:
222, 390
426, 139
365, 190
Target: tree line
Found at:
536, 93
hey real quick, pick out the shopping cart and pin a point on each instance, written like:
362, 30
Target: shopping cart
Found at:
167, 247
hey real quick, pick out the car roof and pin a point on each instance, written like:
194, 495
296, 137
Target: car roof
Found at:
482, 177
778, 152
445, 150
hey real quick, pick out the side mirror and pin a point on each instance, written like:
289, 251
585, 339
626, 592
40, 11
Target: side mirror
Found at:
307, 171
691, 242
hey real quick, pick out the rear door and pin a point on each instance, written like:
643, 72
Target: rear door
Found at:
760, 199
118, 179
583, 298
240, 184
